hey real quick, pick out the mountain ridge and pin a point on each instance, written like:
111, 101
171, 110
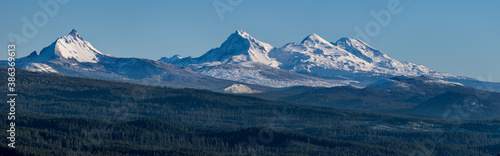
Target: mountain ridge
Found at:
240, 59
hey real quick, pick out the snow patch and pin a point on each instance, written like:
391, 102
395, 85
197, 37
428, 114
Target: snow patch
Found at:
239, 88
443, 82
40, 67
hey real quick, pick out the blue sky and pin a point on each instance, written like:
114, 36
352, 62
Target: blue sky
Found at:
459, 37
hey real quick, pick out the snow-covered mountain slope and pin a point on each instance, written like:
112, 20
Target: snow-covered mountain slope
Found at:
73, 56
413, 83
267, 76
384, 63
317, 56
390, 85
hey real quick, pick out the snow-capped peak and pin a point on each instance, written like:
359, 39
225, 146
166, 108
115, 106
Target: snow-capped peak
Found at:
314, 39
354, 43
71, 47
239, 48
361, 50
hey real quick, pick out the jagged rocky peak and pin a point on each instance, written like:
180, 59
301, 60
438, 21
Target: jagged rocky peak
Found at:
33, 54
75, 34
242, 33
176, 56
170, 59
242, 40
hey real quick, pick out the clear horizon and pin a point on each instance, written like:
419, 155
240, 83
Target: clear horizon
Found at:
452, 37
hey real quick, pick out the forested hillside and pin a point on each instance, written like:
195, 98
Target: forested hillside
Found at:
60, 115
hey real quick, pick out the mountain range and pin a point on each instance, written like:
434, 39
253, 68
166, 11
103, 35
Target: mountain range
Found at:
347, 73
71, 55
240, 62
313, 62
